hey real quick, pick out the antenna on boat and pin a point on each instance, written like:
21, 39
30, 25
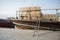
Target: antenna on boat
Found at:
16, 14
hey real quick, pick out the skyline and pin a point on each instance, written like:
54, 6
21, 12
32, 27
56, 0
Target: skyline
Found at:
8, 8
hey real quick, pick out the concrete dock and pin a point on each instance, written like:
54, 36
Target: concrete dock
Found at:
20, 34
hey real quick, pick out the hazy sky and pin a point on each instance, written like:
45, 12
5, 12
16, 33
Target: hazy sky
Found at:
8, 8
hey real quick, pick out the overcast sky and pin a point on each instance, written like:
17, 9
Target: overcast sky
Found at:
8, 8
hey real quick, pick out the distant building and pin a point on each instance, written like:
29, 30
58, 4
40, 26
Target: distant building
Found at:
34, 13
10, 18
50, 17
30, 13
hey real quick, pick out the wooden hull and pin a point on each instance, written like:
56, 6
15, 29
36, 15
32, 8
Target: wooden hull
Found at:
32, 24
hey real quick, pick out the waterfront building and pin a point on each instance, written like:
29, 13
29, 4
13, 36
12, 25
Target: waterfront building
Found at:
50, 17
30, 13
34, 13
